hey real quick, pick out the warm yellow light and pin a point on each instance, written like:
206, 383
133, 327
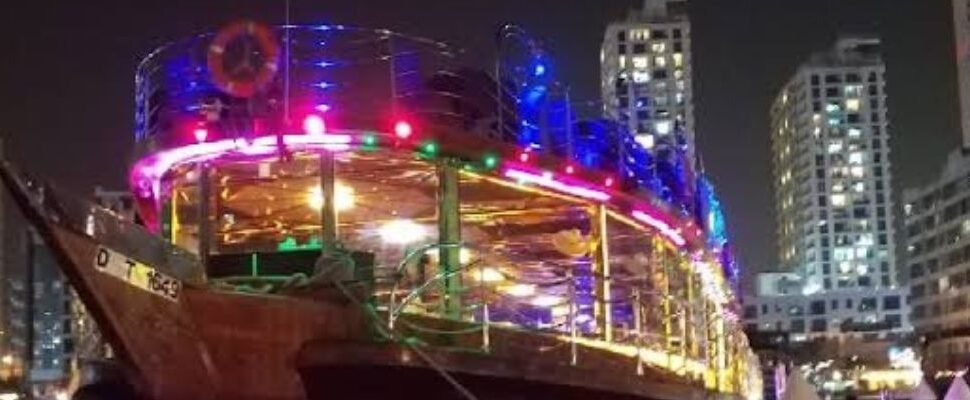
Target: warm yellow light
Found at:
488, 275
7, 359
852, 104
519, 290
343, 197
402, 231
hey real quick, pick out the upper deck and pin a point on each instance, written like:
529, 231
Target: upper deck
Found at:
464, 197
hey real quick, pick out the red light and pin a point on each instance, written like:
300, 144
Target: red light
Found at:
201, 134
608, 182
524, 157
570, 169
403, 129
314, 125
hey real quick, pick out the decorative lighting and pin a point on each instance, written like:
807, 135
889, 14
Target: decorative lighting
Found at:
201, 134
548, 181
664, 228
545, 300
490, 161
402, 232
539, 70
430, 148
343, 197
489, 275
314, 125
570, 169
369, 140
608, 182
403, 129
524, 156
519, 290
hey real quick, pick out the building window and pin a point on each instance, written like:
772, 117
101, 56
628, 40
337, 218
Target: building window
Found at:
868, 304
797, 326
819, 325
894, 320
817, 307
815, 79
639, 48
750, 312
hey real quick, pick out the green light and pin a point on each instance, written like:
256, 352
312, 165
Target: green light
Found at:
490, 161
429, 148
370, 140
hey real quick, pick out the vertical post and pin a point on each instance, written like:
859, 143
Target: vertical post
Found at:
573, 309
449, 232
328, 214
205, 226
638, 326
485, 317
601, 271
569, 127
667, 323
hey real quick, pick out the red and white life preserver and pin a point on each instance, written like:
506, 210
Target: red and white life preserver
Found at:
267, 46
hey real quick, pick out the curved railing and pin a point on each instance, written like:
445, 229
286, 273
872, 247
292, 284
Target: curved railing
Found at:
650, 343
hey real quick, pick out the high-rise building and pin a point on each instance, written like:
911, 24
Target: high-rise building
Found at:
961, 33
830, 150
39, 316
830, 146
938, 257
646, 73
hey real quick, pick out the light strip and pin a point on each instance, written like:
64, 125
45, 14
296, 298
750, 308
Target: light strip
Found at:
151, 169
547, 181
661, 226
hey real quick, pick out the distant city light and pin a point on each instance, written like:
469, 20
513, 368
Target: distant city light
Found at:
402, 232
314, 125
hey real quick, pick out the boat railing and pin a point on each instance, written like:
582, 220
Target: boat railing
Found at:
417, 309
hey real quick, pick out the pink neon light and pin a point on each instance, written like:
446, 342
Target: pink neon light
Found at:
314, 125
661, 226
546, 180
148, 170
403, 129
201, 134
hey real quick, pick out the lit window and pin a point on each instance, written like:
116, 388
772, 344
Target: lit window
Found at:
678, 73
855, 132
852, 90
832, 108
965, 225
678, 60
861, 252
859, 187
838, 200
856, 158
679, 97
662, 127
845, 267
641, 62
834, 122
835, 146
817, 131
660, 61
641, 76
857, 172
838, 188
852, 104
622, 61
645, 140
681, 85
816, 118
658, 47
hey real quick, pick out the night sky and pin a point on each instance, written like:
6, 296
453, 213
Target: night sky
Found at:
66, 74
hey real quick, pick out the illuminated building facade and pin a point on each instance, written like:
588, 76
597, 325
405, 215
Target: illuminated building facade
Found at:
938, 251
832, 171
646, 74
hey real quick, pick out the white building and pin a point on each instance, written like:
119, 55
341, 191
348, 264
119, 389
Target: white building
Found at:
961, 33
646, 73
832, 171
829, 135
938, 255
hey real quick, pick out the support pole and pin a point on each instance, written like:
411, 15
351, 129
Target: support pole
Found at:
638, 326
573, 311
328, 214
449, 232
601, 272
205, 225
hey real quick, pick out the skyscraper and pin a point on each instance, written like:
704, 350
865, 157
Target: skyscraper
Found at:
646, 73
832, 170
830, 155
961, 34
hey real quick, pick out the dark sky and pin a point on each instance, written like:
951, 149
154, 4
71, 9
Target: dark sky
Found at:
66, 71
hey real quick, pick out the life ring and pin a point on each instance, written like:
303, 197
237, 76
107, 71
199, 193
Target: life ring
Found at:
262, 74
